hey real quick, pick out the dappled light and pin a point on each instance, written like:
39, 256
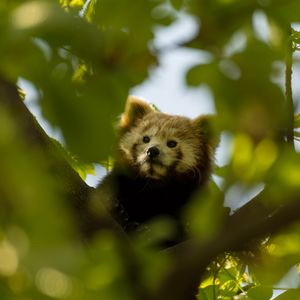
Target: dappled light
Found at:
9, 258
30, 14
53, 283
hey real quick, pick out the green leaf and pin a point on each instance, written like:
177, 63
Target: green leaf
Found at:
208, 293
201, 74
297, 121
90, 10
22, 93
177, 4
260, 293
83, 169
205, 207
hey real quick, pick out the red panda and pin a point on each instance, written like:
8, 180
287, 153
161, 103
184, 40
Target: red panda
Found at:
162, 160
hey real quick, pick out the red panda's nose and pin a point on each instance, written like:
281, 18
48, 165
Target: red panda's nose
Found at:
152, 152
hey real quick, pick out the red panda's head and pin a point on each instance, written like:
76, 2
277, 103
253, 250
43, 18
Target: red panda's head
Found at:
158, 145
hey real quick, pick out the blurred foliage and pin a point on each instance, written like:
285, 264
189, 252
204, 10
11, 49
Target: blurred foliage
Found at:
83, 57
82, 168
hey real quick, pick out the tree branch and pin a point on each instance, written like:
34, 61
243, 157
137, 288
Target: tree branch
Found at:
89, 218
249, 223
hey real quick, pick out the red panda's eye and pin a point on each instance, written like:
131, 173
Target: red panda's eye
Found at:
146, 139
171, 144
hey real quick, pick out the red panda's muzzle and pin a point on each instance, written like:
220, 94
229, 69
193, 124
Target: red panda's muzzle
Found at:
152, 152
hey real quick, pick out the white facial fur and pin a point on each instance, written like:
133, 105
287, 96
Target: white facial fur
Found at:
162, 128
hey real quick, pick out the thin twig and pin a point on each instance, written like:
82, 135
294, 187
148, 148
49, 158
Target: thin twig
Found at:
288, 91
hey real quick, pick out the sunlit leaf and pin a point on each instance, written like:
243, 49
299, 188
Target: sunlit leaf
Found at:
209, 292
297, 121
22, 93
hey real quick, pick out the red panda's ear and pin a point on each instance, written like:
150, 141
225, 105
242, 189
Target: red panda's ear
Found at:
206, 125
135, 109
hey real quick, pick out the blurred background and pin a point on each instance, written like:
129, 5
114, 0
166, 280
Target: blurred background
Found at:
76, 62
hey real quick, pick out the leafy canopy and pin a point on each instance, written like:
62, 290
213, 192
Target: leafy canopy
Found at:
83, 57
